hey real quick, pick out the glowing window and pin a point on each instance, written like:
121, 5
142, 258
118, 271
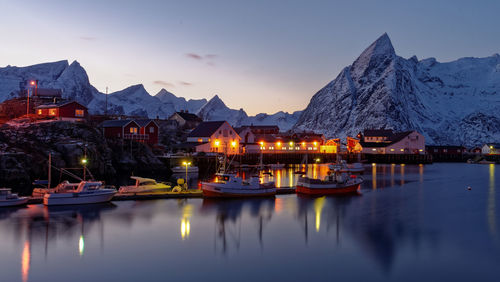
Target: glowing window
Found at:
52, 112
133, 130
79, 113
39, 112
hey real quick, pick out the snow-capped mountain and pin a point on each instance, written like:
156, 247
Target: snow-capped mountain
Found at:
449, 103
175, 104
215, 109
134, 100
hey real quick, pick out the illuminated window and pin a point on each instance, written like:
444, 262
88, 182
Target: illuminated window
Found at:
200, 140
39, 112
133, 130
151, 130
284, 148
52, 112
374, 149
402, 150
392, 150
297, 148
315, 148
309, 148
79, 113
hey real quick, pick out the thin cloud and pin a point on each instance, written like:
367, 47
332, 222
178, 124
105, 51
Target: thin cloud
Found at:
212, 64
194, 56
88, 38
211, 56
163, 83
184, 83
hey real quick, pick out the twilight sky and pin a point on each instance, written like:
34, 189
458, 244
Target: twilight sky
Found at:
263, 56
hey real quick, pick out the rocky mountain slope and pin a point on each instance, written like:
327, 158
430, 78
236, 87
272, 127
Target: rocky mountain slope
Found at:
449, 103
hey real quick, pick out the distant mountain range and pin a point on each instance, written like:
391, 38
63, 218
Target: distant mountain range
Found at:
133, 100
449, 103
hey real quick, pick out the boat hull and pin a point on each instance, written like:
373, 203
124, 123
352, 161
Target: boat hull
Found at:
328, 189
14, 202
212, 191
78, 198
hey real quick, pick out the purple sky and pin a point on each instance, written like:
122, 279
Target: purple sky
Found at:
263, 56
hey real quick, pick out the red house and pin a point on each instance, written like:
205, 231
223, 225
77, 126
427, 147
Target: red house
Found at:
72, 111
146, 131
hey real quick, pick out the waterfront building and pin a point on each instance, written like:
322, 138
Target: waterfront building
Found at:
491, 149
445, 150
214, 137
145, 131
384, 141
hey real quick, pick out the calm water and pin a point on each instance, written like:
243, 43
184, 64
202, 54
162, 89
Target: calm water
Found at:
411, 223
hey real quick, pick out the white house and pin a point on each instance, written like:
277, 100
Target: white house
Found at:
215, 136
491, 149
383, 142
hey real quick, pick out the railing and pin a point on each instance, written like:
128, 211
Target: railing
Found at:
136, 136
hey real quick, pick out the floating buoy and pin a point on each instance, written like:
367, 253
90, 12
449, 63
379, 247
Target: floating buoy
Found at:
469, 188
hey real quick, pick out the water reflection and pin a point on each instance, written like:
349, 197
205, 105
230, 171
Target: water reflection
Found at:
384, 234
491, 213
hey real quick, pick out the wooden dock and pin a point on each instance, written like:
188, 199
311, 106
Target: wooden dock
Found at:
193, 193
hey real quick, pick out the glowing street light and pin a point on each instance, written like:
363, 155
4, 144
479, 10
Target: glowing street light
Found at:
233, 144
187, 164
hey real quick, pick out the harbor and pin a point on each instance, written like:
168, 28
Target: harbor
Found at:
175, 233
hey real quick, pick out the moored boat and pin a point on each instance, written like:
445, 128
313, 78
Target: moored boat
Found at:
9, 199
85, 192
145, 186
335, 183
232, 186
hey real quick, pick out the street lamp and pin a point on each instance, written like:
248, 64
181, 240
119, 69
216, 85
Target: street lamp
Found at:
187, 164
84, 163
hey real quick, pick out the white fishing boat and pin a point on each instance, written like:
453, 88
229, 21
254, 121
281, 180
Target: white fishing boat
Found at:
182, 169
356, 168
145, 186
335, 183
9, 199
232, 186
85, 192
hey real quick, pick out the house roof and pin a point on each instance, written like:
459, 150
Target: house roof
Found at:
377, 132
144, 122
257, 127
495, 145
189, 116
58, 105
116, 123
206, 129
394, 138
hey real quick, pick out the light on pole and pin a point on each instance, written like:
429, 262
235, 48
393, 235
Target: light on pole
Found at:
187, 164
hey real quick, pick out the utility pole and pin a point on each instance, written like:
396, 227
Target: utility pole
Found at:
106, 111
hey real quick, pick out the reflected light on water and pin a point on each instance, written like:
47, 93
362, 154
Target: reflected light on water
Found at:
319, 204
421, 172
81, 245
187, 212
491, 203
278, 205
374, 176
278, 178
25, 261
402, 174
392, 174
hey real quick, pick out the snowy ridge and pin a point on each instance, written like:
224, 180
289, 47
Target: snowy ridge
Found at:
449, 103
215, 109
134, 100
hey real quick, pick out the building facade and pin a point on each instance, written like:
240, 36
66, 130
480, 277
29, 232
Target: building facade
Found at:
215, 137
70, 111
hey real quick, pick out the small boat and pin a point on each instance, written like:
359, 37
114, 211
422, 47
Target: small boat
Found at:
145, 186
356, 168
336, 182
182, 169
85, 192
8, 199
232, 186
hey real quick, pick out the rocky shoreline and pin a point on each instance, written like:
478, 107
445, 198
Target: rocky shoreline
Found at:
25, 147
